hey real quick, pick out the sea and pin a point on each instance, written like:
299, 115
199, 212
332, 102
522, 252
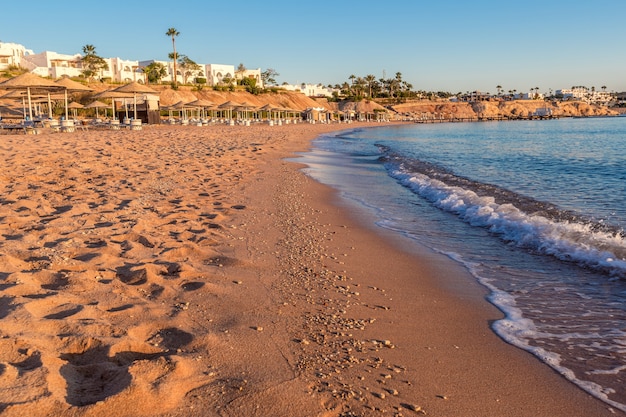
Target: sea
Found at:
534, 210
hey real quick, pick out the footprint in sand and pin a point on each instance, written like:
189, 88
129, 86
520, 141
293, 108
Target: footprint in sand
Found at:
132, 275
65, 311
6, 306
93, 375
170, 338
50, 309
192, 286
22, 374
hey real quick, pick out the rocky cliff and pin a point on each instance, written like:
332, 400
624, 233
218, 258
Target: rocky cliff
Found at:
502, 109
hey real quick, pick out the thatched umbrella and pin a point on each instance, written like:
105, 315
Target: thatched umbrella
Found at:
135, 88
74, 105
96, 105
229, 105
247, 106
290, 114
180, 107
269, 109
112, 94
36, 96
73, 86
202, 104
28, 81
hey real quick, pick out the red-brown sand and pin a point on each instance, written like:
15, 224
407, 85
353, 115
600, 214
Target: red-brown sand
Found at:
193, 271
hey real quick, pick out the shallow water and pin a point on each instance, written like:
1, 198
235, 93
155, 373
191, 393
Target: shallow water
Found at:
535, 210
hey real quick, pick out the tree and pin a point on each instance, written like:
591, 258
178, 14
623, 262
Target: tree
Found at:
345, 89
394, 84
268, 75
188, 67
155, 72
239, 72
357, 87
174, 33
371, 84
92, 63
250, 84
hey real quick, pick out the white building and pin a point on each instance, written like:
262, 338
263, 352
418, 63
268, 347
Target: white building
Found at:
53, 65
586, 95
310, 90
11, 54
573, 93
217, 73
122, 70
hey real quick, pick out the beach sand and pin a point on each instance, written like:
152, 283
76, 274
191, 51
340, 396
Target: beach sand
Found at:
193, 271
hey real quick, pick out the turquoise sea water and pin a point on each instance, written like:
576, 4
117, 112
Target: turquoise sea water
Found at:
535, 210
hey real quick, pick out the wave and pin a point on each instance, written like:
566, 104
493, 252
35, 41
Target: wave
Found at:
520, 220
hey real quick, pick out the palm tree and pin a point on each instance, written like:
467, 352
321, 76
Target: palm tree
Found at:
92, 63
370, 80
359, 86
173, 33
352, 77
89, 50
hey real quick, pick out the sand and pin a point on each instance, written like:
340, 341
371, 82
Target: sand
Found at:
193, 271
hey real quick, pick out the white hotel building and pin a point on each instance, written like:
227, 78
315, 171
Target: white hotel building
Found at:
55, 65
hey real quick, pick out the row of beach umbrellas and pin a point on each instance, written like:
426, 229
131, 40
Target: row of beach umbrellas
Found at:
29, 86
229, 107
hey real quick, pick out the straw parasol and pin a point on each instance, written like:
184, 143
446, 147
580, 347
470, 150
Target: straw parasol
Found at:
180, 107
135, 88
112, 94
270, 111
96, 105
36, 96
229, 105
247, 106
201, 103
73, 86
74, 105
28, 81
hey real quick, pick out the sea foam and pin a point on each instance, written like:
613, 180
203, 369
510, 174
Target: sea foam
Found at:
583, 243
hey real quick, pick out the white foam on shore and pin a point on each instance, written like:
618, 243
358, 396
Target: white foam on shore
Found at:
573, 242
568, 241
517, 330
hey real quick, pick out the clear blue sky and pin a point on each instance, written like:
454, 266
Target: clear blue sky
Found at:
437, 45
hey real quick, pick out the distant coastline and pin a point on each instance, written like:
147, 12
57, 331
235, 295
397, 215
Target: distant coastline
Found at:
408, 110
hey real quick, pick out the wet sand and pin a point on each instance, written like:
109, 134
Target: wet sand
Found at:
193, 271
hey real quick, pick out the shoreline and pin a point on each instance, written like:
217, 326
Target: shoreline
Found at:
183, 271
480, 373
